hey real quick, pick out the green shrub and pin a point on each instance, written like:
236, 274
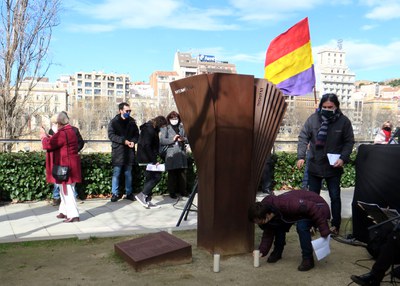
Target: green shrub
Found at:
23, 175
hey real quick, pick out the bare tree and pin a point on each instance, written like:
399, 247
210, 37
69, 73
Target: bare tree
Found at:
25, 34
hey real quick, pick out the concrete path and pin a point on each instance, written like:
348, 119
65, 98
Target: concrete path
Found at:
102, 218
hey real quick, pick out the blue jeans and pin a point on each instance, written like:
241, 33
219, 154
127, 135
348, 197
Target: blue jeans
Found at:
151, 180
56, 192
115, 179
303, 230
333, 184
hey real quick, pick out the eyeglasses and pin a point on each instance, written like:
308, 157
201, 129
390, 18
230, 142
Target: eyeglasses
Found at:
128, 111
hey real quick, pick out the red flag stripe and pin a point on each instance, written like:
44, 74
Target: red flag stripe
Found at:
285, 43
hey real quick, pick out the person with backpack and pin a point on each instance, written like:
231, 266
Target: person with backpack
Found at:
81, 144
173, 140
147, 152
62, 155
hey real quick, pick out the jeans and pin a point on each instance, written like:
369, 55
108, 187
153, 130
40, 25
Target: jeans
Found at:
56, 192
333, 184
303, 230
151, 180
115, 179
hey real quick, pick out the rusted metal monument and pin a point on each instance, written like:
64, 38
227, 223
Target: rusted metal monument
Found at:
232, 122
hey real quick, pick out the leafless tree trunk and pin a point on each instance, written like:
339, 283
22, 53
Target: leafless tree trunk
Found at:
25, 34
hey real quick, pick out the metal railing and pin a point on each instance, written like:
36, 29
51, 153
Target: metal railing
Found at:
104, 145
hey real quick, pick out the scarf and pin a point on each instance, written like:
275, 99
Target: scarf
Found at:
387, 134
322, 134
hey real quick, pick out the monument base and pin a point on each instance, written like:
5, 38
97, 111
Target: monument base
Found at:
157, 249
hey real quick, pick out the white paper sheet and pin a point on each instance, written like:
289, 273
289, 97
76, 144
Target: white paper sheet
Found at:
155, 168
333, 158
321, 247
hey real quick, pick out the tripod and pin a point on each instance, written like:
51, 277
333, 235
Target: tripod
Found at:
189, 203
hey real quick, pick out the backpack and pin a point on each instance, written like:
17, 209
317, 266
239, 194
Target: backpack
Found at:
81, 142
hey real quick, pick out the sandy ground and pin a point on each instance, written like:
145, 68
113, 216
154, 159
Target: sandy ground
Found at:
93, 262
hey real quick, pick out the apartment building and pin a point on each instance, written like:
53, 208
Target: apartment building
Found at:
43, 99
185, 65
334, 76
88, 88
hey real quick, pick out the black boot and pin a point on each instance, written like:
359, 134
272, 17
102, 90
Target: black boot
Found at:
274, 256
365, 279
306, 264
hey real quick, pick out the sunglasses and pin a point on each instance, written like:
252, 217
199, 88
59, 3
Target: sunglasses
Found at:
128, 111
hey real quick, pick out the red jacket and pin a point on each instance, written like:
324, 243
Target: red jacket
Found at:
60, 154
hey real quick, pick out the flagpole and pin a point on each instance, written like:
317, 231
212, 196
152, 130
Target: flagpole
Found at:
315, 97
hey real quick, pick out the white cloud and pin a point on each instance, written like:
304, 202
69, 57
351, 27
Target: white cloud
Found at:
382, 9
154, 13
362, 56
368, 27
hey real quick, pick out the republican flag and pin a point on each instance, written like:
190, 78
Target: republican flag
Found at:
289, 62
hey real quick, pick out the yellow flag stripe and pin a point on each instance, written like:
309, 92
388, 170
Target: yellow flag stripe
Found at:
291, 64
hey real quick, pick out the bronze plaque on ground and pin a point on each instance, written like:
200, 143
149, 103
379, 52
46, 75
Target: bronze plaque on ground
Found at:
154, 249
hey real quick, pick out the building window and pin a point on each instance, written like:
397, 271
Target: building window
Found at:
88, 91
79, 75
88, 84
97, 91
120, 86
88, 76
97, 84
110, 85
79, 83
110, 92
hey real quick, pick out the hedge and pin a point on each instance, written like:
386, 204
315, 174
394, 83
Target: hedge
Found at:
22, 176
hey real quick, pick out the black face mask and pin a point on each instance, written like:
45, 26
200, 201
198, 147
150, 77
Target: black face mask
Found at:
387, 129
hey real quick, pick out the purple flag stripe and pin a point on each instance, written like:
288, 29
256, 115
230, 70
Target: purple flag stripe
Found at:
301, 83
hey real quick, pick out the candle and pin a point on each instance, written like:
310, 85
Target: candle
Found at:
216, 262
256, 255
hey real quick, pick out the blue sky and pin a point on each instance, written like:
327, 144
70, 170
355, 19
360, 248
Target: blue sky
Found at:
138, 37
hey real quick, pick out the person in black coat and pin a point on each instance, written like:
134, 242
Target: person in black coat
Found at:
327, 132
148, 149
124, 134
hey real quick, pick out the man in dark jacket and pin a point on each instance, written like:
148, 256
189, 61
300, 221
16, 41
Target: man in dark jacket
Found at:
124, 134
148, 148
276, 214
331, 140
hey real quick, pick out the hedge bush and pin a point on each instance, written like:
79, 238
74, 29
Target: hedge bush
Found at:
23, 178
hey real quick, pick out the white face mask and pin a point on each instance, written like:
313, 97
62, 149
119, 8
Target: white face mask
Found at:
54, 127
174, 121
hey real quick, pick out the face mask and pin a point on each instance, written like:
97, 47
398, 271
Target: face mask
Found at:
328, 113
174, 121
126, 115
387, 129
54, 127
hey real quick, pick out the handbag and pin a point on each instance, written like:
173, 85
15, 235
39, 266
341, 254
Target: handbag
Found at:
61, 173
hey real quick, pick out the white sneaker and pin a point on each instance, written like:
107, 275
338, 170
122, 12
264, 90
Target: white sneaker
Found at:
153, 205
141, 198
